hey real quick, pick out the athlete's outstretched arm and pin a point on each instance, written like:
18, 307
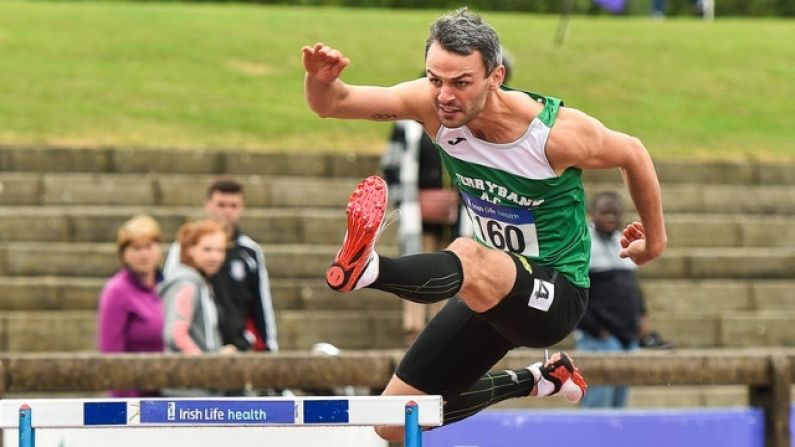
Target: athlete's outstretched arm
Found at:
328, 96
581, 141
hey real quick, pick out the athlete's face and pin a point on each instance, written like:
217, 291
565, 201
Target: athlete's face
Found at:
209, 252
459, 86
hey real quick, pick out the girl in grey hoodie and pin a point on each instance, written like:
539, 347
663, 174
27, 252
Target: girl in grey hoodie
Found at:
191, 317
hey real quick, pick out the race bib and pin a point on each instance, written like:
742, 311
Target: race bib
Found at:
503, 227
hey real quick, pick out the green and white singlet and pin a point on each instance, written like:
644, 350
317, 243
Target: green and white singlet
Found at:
515, 199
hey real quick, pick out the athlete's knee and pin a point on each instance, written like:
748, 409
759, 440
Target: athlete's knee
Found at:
389, 433
466, 249
488, 274
396, 387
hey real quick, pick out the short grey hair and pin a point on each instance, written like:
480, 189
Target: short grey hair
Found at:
462, 32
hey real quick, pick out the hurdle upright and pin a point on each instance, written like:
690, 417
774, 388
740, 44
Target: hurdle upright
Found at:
412, 412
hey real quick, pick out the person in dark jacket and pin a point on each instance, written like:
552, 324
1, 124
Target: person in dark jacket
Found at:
242, 287
615, 307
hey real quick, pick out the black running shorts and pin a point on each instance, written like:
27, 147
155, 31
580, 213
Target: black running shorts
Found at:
459, 345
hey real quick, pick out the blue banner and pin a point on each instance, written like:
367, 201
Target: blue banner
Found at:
105, 413
333, 411
220, 412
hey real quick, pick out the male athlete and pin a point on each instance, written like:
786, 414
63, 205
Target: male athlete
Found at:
516, 159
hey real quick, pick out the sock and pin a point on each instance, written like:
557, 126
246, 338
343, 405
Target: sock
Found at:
370, 273
422, 278
495, 386
545, 387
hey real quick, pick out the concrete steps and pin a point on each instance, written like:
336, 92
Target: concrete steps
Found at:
72, 189
716, 198
82, 259
325, 226
68, 330
223, 161
735, 329
711, 296
663, 296
40, 189
74, 330
311, 260
730, 263
721, 329
53, 293
725, 280
705, 313
713, 173
99, 224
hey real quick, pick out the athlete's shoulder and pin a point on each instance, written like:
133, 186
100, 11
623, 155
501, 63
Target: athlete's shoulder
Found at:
575, 120
528, 106
537, 97
575, 137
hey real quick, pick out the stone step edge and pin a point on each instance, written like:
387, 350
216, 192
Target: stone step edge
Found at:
188, 161
231, 161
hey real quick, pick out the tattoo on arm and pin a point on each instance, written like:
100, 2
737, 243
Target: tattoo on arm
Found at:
383, 116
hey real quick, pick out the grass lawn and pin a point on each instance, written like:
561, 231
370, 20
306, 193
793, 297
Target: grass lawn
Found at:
230, 75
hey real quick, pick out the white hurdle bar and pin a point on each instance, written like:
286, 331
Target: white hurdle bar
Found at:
412, 412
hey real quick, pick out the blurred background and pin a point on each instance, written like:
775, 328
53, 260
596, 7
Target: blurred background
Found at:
212, 75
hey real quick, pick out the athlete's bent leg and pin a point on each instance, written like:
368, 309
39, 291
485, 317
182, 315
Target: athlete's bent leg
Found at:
396, 387
558, 375
481, 277
489, 274
423, 278
492, 388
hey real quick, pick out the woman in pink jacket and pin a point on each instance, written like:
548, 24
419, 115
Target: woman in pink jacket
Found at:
130, 310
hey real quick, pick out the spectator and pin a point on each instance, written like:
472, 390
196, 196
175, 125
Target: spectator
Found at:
130, 311
704, 8
649, 338
658, 9
191, 316
429, 205
616, 310
242, 285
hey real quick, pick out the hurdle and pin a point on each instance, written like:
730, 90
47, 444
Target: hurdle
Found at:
411, 412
